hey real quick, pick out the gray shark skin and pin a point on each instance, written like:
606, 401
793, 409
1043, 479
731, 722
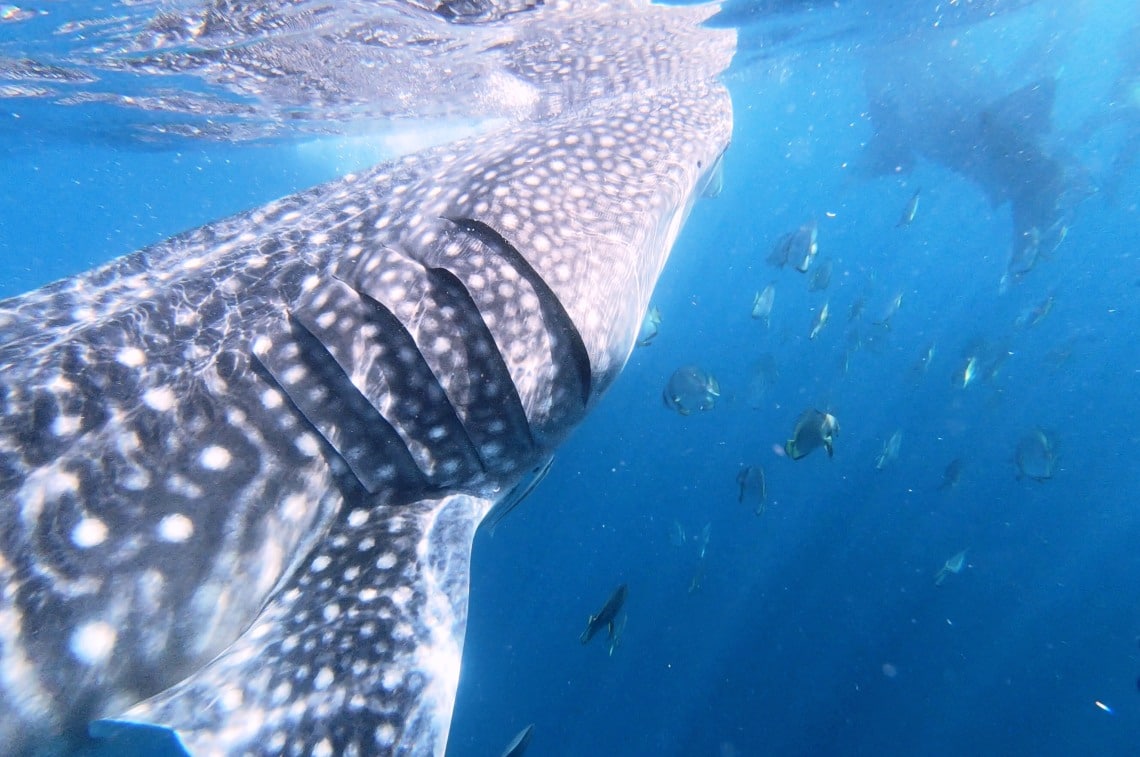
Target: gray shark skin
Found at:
241, 470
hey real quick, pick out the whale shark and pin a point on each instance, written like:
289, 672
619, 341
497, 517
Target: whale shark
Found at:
241, 470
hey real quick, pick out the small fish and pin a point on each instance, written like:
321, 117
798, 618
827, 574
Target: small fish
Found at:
1034, 315
969, 372
519, 743
1036, 456
689, 389
819, 322
804, 246
890, 450
797, 247
762, 304
1033, 245
953, 565
996, 364
614, 640
889, 312
922, 365
677, 534
649, 327
702, 540
698, 577
814, 429
910, 210
753, 487
951, 475
763, 376
606, 617
856, 309
821, 279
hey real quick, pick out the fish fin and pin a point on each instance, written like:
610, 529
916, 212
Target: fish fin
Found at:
586, 635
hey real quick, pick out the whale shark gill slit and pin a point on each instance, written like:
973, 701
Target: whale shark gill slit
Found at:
561, 324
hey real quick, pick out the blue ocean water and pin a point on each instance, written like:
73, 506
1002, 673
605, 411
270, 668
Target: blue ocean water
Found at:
817, 627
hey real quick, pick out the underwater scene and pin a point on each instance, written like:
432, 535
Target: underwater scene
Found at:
771, 366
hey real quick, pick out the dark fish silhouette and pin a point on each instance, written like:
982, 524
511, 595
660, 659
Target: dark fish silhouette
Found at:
606, 618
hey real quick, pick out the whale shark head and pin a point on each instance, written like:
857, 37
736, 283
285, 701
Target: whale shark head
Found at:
241, 470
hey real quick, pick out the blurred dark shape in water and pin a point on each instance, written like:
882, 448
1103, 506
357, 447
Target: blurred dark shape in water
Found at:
519, 743
934, 102
753, 487
690, 388
821, 279
796, 248
761, 379
1036, 456
951, 475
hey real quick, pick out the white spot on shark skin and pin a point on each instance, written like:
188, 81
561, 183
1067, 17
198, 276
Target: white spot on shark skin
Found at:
386, 561
357, 518
60, 385
215, 458
293, 374
385, 735
401, 596
132, 357
232, 698
294, 507
271, 399
323, 749
175, 528
160, 398
323, 680
44, 485
392, 678
93, 642
282, 693
89, 532
135, 480
65, 425
307, 445
320, 563
331, 613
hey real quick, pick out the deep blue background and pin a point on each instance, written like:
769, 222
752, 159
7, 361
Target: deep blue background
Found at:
782, 649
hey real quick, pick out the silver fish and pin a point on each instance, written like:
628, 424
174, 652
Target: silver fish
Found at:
241, 470
814, 429
910, 210
762, 304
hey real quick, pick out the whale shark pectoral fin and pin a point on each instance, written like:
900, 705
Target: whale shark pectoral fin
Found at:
570, 348
123, 738
365, 637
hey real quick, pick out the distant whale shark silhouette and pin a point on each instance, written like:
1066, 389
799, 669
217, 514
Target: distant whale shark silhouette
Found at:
922, 105
241, 470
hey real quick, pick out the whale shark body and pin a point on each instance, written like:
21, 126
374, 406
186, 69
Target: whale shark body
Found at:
241, 470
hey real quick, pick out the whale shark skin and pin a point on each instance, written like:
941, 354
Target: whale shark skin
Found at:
241, 470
